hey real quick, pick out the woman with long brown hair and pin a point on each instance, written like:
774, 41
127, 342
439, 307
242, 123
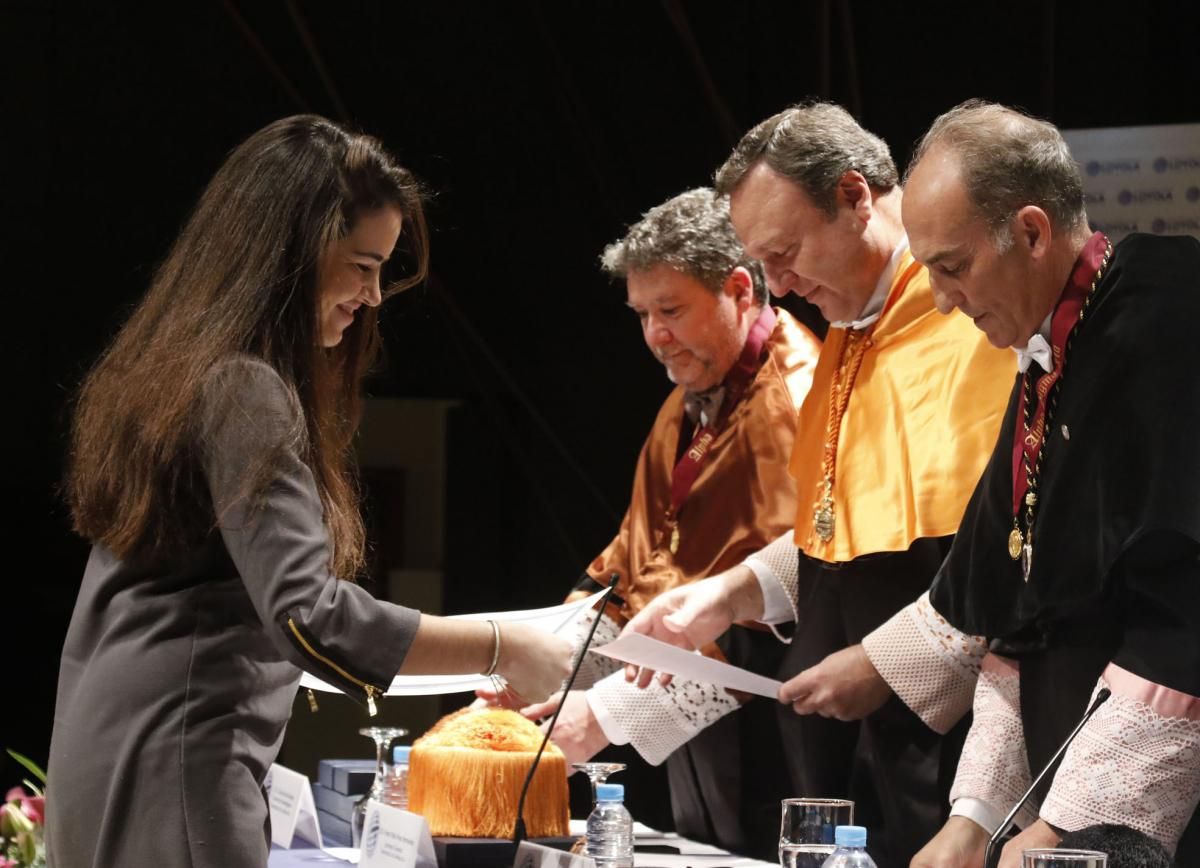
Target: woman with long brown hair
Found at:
210, 467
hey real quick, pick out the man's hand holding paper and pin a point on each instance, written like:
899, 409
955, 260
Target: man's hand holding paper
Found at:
693, 615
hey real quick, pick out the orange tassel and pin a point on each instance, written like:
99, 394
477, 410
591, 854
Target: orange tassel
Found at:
465, 777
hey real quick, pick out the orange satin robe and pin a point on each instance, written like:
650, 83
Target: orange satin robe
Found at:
923, 417
742, 498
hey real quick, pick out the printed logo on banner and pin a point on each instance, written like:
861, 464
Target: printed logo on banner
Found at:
371, 836
1174, 227
1112, 167
1130, 197
1093, 198
1192, 194
1113, 226
1176, 164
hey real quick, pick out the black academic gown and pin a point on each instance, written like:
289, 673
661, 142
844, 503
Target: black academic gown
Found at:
1116, 566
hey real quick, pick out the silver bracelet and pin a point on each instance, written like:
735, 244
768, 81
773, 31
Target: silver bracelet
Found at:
491, 670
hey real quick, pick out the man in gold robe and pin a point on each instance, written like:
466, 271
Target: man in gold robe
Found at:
710, 488
904, 408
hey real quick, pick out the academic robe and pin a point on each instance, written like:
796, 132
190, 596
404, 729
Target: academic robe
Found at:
726, 782
1114, 585
922, 414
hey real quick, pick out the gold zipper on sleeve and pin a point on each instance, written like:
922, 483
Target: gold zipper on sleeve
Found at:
371, 690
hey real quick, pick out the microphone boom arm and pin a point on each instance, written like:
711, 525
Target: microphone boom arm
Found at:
519, 828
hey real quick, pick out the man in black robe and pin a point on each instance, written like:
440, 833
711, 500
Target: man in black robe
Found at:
1078, 556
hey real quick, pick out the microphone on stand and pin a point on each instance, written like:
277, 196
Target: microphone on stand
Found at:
519, 828
1007, 822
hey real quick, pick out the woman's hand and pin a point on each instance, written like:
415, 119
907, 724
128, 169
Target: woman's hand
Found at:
532, 661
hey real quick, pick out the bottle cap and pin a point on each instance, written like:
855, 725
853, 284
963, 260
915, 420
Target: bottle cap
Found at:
850, 836
400, 754
610, 792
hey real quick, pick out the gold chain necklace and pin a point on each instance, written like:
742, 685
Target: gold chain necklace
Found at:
853, 350
1020, 545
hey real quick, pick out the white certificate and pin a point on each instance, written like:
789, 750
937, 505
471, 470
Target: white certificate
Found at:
641, 650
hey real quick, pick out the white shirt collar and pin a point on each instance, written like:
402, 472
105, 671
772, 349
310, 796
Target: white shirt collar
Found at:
1038, 349
874, 307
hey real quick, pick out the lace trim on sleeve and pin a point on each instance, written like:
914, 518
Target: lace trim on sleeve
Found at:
778, 561
994, 768
930, 665
1136, 762
595, 666
658, 720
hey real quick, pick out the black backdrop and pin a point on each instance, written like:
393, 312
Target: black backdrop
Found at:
544, 128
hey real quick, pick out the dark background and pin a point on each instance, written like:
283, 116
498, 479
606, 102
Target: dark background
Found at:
543, 128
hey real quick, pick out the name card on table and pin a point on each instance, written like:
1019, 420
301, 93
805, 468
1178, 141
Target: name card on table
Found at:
290, 798
530, 855
393, 838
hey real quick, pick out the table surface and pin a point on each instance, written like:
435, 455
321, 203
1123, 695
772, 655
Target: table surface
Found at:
691, 854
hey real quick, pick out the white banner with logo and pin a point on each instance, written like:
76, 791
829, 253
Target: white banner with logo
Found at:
1140, 179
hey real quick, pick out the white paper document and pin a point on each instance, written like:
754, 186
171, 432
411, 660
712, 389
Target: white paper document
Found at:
552, 619
643, 651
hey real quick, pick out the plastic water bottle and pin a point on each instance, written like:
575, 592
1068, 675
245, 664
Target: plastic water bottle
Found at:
395, 786
610, 829
851, 849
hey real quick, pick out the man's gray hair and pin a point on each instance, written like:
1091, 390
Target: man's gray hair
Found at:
1009, 160
690, 233
813, 145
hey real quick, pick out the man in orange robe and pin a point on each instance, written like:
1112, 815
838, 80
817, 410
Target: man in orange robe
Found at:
710, 488
904, 408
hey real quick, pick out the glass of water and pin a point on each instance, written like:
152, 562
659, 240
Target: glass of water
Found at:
1054, 857
806, 830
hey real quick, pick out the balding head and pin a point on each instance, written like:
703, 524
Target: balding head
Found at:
993, 208
1007, 160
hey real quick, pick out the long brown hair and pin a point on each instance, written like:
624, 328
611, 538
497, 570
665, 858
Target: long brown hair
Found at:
241, 279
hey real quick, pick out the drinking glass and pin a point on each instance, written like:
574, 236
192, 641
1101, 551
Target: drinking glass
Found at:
383, 737
597, 773
806, 830
1055, 857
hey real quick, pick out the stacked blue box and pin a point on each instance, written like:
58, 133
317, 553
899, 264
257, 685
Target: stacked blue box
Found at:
334, 830
338, 804
350, 777
340, 784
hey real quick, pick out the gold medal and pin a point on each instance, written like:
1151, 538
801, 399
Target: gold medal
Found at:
823, 520
674, 537
1015, 543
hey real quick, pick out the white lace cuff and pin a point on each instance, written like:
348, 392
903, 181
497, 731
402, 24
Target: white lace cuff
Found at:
994, 768
609, 725
1136, 762
659, 719
776, 568
930, 665
595, 666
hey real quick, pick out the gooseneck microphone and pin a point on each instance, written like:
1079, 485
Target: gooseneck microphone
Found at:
1006, 823
519, 828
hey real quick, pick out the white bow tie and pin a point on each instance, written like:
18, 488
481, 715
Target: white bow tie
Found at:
1037, 350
